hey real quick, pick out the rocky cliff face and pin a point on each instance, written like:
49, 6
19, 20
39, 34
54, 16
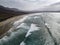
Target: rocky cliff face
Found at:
6, 13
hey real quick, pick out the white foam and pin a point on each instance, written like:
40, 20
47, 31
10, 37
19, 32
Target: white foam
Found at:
36, 17
32, 29
22, 43
20, 21
5, 38
23, 25
47, 25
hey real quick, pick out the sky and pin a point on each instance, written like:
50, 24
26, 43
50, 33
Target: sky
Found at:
27, 5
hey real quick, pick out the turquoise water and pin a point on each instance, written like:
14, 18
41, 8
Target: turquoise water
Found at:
38, 37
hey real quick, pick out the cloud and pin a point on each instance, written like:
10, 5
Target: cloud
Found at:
27, 4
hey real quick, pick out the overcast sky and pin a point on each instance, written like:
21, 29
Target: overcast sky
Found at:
27, 4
